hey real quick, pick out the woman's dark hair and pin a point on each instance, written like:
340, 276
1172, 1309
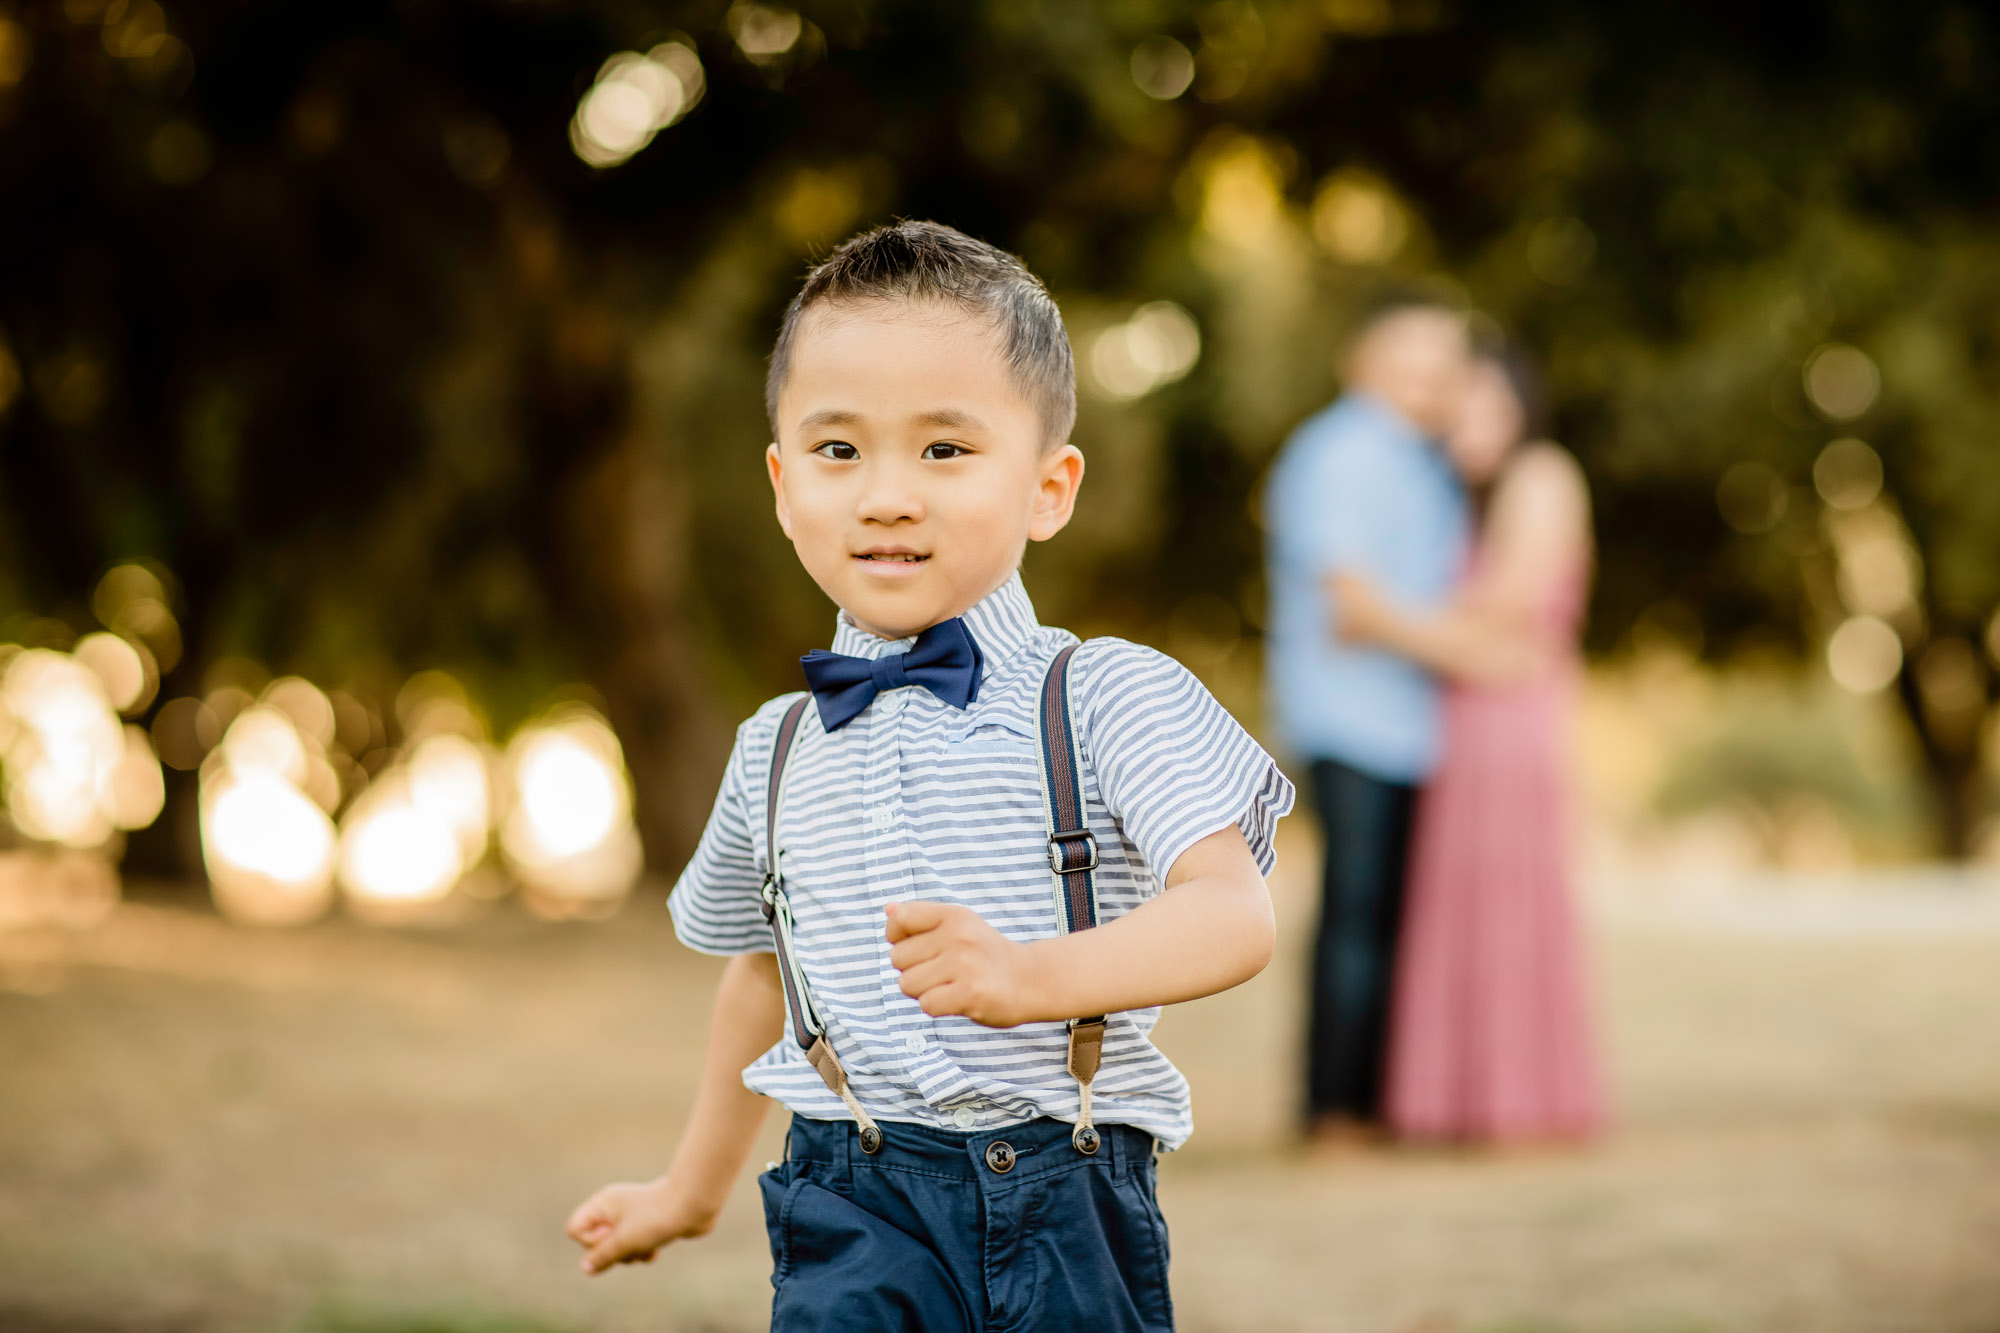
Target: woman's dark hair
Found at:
1522, 376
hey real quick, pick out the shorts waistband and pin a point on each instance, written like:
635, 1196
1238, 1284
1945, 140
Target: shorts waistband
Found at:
1027, 1149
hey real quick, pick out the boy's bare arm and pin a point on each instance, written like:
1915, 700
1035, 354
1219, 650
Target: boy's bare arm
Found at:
1211, 929
628, 1223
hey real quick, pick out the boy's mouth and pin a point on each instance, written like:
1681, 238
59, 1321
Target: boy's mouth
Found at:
892, 557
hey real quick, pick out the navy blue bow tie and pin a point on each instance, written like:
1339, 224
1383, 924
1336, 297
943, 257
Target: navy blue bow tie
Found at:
944, 660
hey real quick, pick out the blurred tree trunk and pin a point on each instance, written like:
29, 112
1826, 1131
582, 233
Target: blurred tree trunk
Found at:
686, 383
630, 525
1948, 739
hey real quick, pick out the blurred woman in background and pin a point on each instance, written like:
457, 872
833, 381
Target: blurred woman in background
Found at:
1490, 1040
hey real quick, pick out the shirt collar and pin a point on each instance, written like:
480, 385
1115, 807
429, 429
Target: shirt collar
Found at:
1002, 624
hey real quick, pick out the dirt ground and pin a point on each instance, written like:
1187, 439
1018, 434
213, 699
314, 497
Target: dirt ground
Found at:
204, 1128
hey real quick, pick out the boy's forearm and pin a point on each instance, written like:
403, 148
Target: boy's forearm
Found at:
749, 1016
1203, 935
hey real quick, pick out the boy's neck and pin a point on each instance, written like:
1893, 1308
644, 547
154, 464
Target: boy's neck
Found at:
889, 637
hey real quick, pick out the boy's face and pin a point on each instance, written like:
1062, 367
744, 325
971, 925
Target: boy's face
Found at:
909, 468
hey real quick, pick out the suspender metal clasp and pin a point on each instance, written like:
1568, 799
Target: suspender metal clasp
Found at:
1059, 851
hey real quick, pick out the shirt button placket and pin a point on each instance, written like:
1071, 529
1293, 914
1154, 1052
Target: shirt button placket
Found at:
890, 850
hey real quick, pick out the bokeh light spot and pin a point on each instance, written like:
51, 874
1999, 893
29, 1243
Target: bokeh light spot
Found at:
569, 837
1162, 68
1848, 474
1357, 220
1841, 381
268, 848
1864, 654
394, 852
764, 32
1242, 194
1880, 571
128, 684
634, 97
1159, 344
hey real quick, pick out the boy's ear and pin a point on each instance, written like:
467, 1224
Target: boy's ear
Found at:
774, 463
1055, 493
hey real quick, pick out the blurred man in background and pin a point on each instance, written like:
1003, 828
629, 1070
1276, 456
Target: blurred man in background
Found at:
1361, 488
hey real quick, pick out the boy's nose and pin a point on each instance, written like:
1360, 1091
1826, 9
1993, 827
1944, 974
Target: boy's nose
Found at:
890, 495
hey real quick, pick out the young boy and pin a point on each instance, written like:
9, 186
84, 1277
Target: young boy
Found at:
960, 1157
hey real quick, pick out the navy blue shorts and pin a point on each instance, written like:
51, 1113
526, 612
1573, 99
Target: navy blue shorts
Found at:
928, 1234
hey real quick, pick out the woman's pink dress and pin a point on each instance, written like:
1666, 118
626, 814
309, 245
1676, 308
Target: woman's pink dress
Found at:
1490, 1038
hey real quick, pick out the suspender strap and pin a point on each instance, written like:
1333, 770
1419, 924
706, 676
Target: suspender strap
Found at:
807, 1029
1072, 851
1072, 866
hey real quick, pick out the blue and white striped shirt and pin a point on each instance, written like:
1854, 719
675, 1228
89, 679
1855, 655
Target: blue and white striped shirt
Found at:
915, 799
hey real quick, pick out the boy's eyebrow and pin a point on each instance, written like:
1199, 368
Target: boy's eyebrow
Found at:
950, 418
828, 416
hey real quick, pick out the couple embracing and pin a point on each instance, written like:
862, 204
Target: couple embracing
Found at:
1429, 560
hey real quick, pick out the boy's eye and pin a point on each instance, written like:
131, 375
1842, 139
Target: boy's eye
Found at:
839, 449
944, 449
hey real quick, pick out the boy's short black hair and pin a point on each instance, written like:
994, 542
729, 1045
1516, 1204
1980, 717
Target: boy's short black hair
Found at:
926, 261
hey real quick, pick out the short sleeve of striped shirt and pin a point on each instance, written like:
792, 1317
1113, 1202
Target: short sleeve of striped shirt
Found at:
717, 906
1172, 764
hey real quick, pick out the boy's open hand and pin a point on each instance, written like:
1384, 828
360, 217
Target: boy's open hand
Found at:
627, 1224
953, 962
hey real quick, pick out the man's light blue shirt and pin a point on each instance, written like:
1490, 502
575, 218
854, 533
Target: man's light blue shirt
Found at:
1357, 489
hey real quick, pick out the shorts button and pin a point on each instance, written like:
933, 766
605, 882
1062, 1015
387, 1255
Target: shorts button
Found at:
1000, 1156
963, 1117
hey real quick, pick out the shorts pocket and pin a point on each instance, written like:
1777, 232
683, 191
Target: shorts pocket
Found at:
780, 1195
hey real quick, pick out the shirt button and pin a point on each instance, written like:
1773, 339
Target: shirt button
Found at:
914, 1044
963, 1117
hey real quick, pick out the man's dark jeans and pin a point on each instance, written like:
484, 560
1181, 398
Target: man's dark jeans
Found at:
1367, 826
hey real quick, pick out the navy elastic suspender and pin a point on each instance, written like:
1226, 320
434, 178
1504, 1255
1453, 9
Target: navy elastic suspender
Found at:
807, 1029
1073, 867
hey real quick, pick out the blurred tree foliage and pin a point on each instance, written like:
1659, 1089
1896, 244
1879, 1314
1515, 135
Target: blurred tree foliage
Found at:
317, 306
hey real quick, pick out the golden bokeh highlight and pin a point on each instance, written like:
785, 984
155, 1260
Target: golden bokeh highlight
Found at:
75, 776
1848, 474
568, 834
268, 845
633, 98
399, 858
1158, 345
764, 34
1864, 654
1841, 381
1162, 68
1357, 219
1242, 192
